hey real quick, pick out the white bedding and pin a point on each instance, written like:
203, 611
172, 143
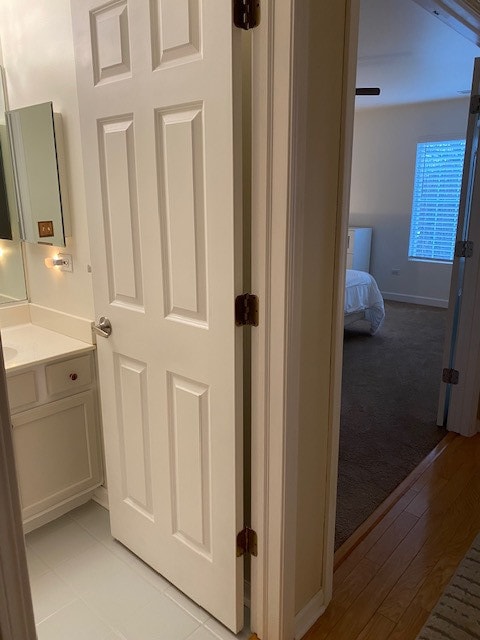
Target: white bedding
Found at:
363, 295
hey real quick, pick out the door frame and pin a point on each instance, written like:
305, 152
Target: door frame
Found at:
280, 95
273, 471
16, 610
464, 300
278, 52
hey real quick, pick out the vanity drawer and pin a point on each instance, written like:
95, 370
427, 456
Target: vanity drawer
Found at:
22, 390
68, 375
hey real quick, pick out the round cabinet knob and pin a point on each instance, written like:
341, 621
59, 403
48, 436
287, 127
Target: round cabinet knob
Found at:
73, 376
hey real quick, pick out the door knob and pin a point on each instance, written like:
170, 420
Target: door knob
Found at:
103, 328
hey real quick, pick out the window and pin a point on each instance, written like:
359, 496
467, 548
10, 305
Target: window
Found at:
436, 198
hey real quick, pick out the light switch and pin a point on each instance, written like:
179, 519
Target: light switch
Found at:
45, 228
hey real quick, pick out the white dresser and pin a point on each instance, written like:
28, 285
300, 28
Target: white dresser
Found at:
359, 245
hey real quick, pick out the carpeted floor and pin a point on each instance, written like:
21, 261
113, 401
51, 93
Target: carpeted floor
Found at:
389, 406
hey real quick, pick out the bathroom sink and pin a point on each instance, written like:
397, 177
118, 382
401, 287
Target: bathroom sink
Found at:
9, 353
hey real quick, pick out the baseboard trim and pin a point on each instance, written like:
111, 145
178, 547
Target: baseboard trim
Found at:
311, 612
402, 297
101, 496
52, 513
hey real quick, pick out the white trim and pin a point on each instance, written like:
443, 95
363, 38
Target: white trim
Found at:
16, 611
461, 15
273, 478
352, 18
465, 292
280, 91
39, 520
403, 297
101, 496
310, 613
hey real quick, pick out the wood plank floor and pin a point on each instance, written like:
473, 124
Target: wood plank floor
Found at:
388, 581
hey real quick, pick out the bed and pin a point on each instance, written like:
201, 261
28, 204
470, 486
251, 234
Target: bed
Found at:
363, 300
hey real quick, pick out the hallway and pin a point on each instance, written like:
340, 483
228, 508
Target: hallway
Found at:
387, 586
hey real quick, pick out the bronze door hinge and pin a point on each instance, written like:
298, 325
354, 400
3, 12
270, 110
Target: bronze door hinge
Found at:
247, 542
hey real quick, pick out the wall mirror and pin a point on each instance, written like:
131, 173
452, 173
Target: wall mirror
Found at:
12, 274
36, 145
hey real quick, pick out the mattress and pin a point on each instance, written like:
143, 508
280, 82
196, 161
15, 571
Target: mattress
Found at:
362, 296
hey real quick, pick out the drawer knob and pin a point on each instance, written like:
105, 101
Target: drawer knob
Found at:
73, 376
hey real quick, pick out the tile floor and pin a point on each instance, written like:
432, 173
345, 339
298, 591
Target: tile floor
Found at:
87, 586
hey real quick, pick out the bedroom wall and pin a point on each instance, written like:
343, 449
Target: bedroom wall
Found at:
384, 152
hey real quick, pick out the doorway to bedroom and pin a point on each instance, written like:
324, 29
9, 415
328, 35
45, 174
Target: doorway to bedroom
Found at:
408, 151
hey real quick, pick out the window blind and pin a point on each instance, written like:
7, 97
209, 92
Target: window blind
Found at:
436, 199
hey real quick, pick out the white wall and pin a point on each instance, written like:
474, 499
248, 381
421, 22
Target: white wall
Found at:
39, 63
383, 169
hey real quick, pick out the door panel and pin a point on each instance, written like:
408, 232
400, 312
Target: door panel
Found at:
180, 157
110, 42
459, 402
156, 94
176, 32
120, 210
190, 462
134, 434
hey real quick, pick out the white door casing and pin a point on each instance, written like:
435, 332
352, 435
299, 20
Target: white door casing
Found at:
156, 94
458, 403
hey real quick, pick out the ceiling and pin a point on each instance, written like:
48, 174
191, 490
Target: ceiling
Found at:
410, 54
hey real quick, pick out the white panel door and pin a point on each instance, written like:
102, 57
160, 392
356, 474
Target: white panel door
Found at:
156, 93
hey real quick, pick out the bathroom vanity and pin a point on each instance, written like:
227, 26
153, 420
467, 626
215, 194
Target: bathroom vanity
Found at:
50, 376
52, 395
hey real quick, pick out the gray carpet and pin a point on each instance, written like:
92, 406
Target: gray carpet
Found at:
389, 406
457, 614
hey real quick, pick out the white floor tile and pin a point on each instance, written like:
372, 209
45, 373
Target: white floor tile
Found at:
160, 620
36, 566
74, 622
49, 595
94, 518
92, 568
140, 567
201, 633
120, 596
59, 541
222, 633
87, 586
188, 605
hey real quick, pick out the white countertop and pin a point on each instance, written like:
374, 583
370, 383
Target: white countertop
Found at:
29, 344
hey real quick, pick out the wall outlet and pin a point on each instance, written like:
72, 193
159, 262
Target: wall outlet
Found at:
395, 272
67, 262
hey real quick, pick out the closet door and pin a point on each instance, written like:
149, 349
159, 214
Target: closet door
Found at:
460, 387
157, 94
